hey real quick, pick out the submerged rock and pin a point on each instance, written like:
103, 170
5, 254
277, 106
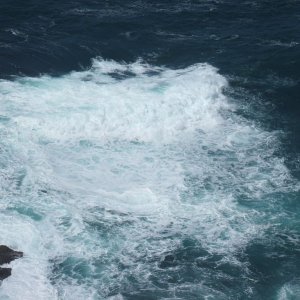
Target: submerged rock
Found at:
6, 256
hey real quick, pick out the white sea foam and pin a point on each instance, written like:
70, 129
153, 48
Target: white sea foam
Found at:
94, 105
98, 165
30, 274
290, 290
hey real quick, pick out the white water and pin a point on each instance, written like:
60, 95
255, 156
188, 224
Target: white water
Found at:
116, 165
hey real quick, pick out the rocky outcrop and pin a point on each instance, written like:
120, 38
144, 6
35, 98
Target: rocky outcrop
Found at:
4, 273
6, 256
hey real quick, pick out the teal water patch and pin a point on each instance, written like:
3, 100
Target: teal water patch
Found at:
27, 211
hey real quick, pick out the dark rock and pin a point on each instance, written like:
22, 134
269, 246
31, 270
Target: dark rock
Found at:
4, 273
7, 255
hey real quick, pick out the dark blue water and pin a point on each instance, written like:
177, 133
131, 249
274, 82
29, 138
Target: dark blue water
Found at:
218, 185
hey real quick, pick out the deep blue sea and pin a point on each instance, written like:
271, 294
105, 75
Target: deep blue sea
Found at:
150, 149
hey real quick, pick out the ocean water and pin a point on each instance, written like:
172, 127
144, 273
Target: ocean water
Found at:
150, 149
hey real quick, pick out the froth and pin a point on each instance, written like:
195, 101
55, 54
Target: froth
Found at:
106, 171
140, 106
